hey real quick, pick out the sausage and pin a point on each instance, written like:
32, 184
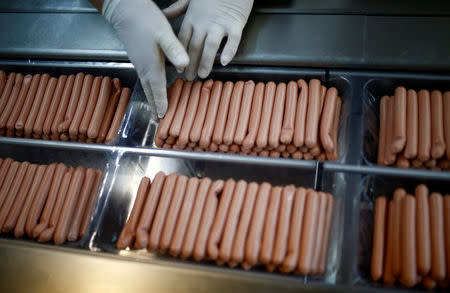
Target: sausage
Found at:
39, 199
100, 108
118, 115
221, 216
408, 241
222, 113
148, 211
399, 194
237, 254
379, 231
277, 115
389, 155
207, 219
313, 113
274, 154
12, 77
429, 283
185, 214
327, 120
244, 113
253, 243
194, 221
3, 79
25, 109
208, 127
423, 230
232, 220
91, 204
13, 99
424, 147
388, 276
174, 93
399, 120
437, 125
54, 104
263, 131
255, 117
298, 155
73, 102
189, 117
430, 164
26, 84
12, 192
173, 212
161, 212
412, 132
81, 105
320, 232
48, 233
447, 228
270, 226
402, 162
63, 104
37, 101
307, 245
197, 127
438, 266
50, 202
308, 156
315, 151
90, 106
446, 103
37, 127
181, 109
283, 227
233, 113
86, 190
324, 244
287, 130
8, 171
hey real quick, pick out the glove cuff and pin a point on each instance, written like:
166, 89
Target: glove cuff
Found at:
108, 8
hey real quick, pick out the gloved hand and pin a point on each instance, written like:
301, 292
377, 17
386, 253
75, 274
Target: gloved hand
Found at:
147, 36
204, 26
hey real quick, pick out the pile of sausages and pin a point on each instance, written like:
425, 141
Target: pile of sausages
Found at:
236, 223
411, 239
415, 130
78, 107
47, 202
298, 119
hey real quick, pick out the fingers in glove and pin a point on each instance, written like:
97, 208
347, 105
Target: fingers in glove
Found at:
176, 9
195, 50
212, 43
155, 79
231, 47
173, 49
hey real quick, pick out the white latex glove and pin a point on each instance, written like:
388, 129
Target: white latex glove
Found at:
204, 26
147, 36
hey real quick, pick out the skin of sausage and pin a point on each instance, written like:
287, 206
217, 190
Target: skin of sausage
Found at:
73, 102
62, 107
287, 130
37, 101
447, 228
91, 204
233, 113
207, 219
19, 229
39, 199
412, 129
222, 113
399, 194
270, 226
181, 109
446, 103
327, 119
25, 109
379, 232
3, 78
320, 232
255, 117
174, 93
12, 192
334, 156
90, 106
424, 147
50, 202
274, 154
308, 156
63, 226
38, 125
197, 127
8, 173
54, 104
231, 221
194, 221
324, 245
244, 113
402, 162
118, 115
399, 120
173, 212
15, 112
408, 275
7, 90
307, 245
437, 125
183, 219
277, 115
100, 108
313, 113
81, 105
388, 276
48, 233
208, 126
283, 227
220, 219
254, 238
237, 254
423, 230
429, 283
86, 190
438, 266
189, 117
300, 119
263, 131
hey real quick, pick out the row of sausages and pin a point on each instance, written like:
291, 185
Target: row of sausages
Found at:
297, 119
47, 202
77, 107
233, 223
411, 239
415, 129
